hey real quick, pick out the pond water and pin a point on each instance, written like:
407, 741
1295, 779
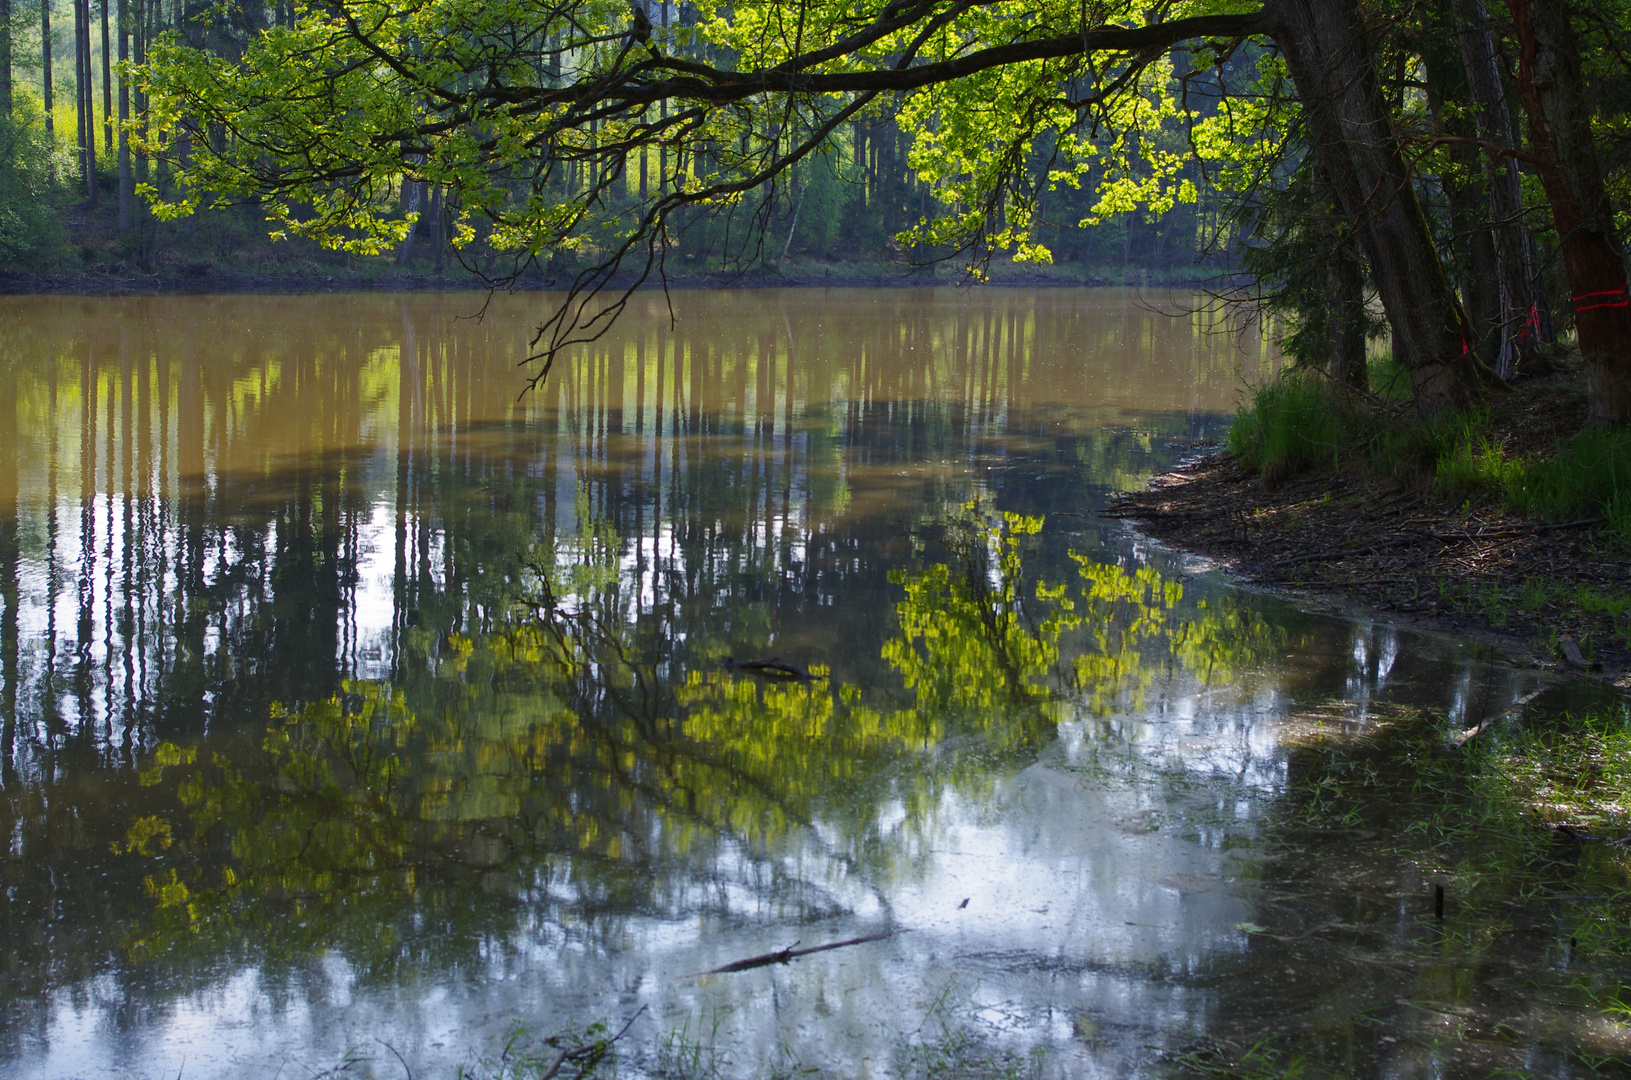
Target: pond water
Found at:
363, 712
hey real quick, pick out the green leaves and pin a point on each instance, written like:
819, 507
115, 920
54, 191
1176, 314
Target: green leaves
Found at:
533, 119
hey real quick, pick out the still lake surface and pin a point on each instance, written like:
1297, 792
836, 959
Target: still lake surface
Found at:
361, 710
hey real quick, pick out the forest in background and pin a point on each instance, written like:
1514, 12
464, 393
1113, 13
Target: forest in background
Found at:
1191, 164
840, 213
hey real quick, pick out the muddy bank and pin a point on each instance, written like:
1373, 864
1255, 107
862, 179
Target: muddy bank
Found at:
1363, 545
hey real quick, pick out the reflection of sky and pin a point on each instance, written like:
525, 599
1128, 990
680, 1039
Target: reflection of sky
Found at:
372, 607
1098, 898
1094, 881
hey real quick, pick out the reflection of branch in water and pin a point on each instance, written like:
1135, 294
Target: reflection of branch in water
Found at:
792, 953
773, 668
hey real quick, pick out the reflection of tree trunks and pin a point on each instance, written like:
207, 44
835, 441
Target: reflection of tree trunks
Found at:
1325, 47
10, 594
1560, 126
131, 533
1525, 318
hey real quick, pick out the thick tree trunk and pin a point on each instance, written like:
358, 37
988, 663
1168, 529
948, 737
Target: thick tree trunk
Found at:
1526, 319
1560, 127
438, 225
412, 192
1325, 45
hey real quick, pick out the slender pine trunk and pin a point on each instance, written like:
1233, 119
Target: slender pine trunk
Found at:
126, 178
5, 57
45, 84
87, 99
107, 84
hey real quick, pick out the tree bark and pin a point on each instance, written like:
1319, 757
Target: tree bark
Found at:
87, 98
1526, 318
107, 84
5, 57
1464, 190
1347, 283
438, 226
138, 56
1326, 48
1560, 128
127, 183
45, 81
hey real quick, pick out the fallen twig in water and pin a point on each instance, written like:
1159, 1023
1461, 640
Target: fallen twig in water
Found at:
791, 953
1467, 735
594, 1049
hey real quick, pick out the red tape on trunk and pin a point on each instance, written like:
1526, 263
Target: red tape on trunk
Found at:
1622, 300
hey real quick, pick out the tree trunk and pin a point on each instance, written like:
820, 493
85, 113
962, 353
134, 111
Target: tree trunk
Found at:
1464, 191
126, 178
1346, 277
87, 100
1560, 128
438, 225
1526, 319
45, 71
107, 84
138, 56
412, 192
5, 57
1326, 48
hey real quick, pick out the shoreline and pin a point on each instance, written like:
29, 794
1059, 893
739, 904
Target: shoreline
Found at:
1363, 547
119, 280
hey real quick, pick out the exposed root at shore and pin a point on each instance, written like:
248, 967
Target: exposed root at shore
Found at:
1523, 585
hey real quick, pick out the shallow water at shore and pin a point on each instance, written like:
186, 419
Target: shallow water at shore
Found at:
360, 705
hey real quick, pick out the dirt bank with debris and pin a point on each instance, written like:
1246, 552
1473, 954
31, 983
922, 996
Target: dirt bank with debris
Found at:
1555, 594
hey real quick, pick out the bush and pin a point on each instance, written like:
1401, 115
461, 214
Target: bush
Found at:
30, 233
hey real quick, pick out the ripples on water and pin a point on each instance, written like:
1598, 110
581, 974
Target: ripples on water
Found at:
353, 695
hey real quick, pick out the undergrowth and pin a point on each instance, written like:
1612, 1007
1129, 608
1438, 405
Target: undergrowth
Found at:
1300, 422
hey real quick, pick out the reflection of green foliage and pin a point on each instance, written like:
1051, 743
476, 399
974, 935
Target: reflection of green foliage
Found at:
974, 637
965, 639
550, 749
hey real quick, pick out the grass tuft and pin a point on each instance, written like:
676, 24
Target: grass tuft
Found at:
1296, 423
1300, 423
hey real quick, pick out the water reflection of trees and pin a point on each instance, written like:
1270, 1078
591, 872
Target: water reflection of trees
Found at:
193, 485
548, 769
211, 506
